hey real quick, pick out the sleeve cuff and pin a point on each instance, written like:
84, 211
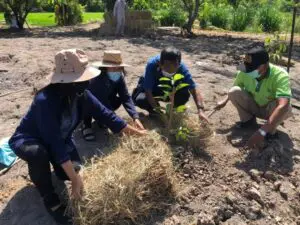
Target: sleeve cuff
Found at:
122, 124
63, 160
135, 116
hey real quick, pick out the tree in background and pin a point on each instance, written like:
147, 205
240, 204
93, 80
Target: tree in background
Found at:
19, 8
68, 12
192, 7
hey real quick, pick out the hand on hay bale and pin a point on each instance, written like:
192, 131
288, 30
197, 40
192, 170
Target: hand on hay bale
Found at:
128, 185
131, 130
77, 184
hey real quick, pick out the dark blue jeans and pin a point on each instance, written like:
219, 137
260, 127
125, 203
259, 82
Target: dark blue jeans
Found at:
140, 98
39, 159
114, 104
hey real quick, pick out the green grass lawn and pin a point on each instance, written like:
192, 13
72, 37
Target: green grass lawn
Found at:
48, 19
1, 18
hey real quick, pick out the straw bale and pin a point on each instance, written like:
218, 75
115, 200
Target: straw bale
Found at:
130, 184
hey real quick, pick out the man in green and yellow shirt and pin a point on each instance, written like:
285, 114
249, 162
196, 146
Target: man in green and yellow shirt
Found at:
261, 90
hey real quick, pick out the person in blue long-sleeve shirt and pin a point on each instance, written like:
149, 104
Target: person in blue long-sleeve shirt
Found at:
44, 135
110, 88
167, 64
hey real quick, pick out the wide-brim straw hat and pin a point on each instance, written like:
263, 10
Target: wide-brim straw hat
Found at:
111, 58
72, 65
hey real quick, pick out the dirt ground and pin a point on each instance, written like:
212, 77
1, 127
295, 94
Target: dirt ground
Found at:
226, 184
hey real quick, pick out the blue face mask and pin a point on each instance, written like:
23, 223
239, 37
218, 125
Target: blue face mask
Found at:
254, 74
114, 76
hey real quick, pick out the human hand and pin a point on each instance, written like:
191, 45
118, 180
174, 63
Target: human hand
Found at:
202, 116
77, 187
138, 124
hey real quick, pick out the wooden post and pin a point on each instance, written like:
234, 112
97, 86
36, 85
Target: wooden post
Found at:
292, 37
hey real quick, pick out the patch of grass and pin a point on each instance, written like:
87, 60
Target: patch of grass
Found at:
48, 19
93, 16
41, 19
2, 17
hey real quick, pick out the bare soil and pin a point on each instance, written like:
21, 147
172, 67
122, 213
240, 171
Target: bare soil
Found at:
226, 184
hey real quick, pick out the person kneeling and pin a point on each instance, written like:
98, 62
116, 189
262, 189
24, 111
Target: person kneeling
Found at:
44, 135
261, 90
167, 64
111, 90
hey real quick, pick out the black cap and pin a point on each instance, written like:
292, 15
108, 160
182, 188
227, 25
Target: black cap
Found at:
254, 58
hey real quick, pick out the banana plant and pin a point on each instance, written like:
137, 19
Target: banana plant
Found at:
170, 86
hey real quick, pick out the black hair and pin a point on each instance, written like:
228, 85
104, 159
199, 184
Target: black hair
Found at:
170, 54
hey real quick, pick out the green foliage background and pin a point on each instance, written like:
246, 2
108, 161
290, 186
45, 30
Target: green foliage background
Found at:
237, 15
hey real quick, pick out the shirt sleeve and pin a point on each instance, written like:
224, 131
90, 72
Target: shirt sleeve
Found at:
49, 128
283, 87
149, 80
126, 99
103, 114
238, 80
187, 76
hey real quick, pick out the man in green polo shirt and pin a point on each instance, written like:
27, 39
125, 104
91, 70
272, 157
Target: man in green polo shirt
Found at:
261, 90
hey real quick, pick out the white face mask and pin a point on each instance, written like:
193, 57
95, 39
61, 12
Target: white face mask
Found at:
254, 74
166, 74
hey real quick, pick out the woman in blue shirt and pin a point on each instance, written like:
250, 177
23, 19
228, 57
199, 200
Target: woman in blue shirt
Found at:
44, 135
110, 88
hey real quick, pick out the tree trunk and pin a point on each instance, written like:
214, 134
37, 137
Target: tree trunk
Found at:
19, 13
193, 11
20, 24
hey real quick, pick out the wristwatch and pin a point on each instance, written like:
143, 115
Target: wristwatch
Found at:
262, 132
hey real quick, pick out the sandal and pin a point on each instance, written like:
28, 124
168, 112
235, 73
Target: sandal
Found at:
88, 134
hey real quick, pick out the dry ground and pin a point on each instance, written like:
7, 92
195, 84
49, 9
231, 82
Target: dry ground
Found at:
226, 184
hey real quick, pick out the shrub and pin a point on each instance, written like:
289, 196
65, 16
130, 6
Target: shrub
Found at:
141, 5
170, 17
204, 15
276, 47
94, 6
286, 5
220, 16
242, 17
73, 13
269, 18
297, 27
47, 7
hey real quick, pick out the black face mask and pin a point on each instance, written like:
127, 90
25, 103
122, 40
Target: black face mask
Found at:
73, 89
80, 87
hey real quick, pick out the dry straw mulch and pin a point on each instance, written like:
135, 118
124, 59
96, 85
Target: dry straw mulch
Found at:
129, 185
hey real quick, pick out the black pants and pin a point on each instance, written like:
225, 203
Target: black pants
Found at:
114, 104
140, 98
39, 159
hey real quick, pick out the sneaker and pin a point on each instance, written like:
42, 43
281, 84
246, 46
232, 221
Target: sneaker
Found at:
271, 137
246, 124
57, 210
